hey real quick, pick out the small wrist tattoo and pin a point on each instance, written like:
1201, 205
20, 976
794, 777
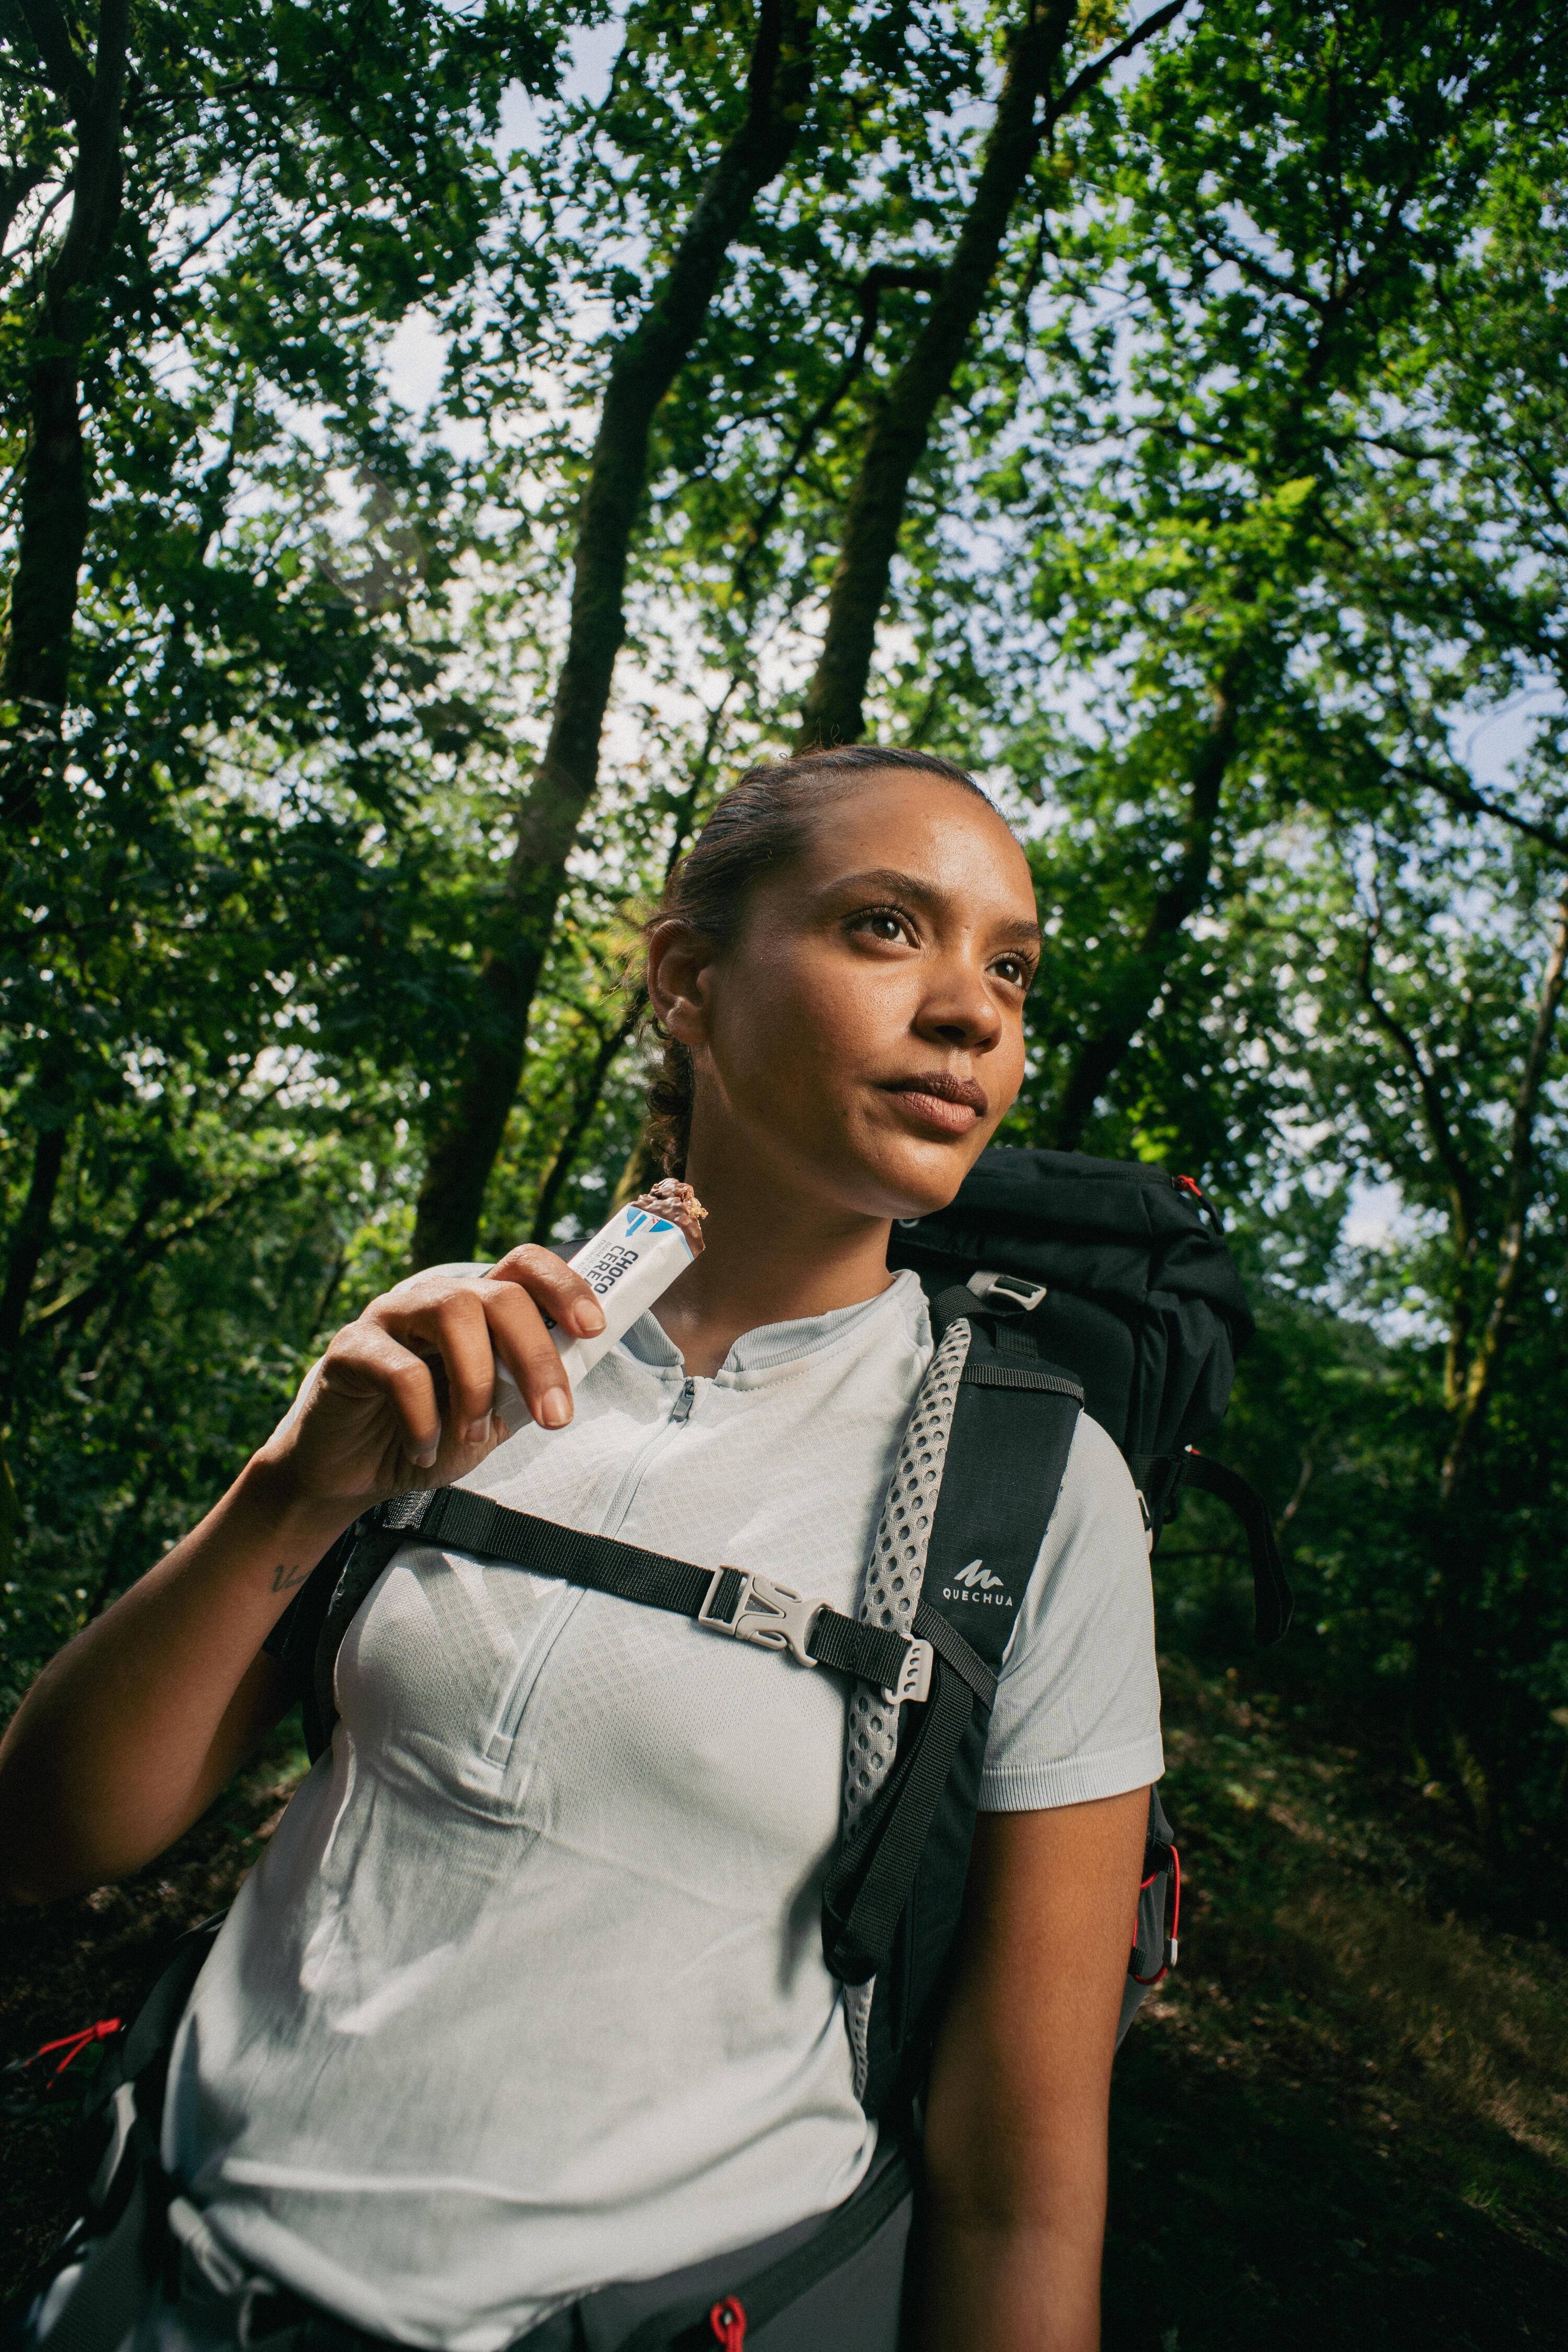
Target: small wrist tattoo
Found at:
284, 1579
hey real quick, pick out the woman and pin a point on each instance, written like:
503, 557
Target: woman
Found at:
528, 1994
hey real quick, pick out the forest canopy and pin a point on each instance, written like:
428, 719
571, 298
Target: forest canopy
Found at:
445, 445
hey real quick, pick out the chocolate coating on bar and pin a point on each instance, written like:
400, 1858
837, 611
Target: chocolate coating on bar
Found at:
671, 1198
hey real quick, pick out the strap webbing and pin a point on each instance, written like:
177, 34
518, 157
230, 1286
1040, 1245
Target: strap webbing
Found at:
981, 1375
460, 1521
869, 1881
768, 2293
1272, 1599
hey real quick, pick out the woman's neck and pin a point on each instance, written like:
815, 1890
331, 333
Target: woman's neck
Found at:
769, 1257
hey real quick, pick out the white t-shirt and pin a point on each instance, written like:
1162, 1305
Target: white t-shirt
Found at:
527, 1994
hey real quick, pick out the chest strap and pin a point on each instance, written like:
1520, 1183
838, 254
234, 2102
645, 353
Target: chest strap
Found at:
735, 1601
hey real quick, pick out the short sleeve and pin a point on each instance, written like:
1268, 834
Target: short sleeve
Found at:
1078, 1705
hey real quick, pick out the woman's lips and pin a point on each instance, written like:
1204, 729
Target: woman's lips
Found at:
951, 1104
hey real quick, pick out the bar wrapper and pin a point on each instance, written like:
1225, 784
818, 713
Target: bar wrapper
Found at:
628, 1264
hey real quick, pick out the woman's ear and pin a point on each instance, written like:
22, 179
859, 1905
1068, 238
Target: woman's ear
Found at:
680, 967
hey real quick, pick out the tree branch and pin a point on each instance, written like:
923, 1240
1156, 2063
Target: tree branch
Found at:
68, 74
833, 708
1095, 72
1455, 1170
1459, 1177
585, 1104
879, 276
1141, 976
1470, 801
130, 1262
29, 1240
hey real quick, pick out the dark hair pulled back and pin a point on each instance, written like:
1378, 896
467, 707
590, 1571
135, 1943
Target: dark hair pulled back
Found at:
761, 826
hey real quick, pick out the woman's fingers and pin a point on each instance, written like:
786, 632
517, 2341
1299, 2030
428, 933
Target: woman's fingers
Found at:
410, 1385
528, 1349
469, 1321
563, 1295
365, 1362
528, 1285
435, 1317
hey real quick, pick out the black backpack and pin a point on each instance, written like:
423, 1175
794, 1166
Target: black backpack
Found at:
1119, 1271
1114, 1273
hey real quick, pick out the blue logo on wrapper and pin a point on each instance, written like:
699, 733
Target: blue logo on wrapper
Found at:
635, 1218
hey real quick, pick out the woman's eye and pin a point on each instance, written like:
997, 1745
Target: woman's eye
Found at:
882, 923
1015, 972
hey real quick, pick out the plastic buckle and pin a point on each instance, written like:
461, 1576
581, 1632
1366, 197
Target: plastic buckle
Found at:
1007, 1290
914, 1676
773, 1616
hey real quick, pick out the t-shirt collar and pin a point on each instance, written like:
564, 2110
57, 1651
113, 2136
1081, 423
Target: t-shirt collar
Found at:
773, 1346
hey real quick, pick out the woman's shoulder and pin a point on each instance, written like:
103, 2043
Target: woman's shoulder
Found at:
1078, 1705
1097, 1482
1093, 1566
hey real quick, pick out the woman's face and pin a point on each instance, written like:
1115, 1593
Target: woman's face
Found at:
864, 1036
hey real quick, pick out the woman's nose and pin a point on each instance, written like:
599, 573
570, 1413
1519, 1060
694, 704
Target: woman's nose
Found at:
961, 1010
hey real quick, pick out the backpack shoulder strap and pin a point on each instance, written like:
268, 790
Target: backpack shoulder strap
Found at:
895, 1888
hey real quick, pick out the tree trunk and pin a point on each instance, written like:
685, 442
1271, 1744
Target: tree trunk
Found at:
1480, 1374
42, 609
1135, 988
1449, 1699
41, 613
464, 1149
29, 1240
832, 711
585, 1104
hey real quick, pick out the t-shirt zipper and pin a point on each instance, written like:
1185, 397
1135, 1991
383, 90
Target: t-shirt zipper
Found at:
625, 1493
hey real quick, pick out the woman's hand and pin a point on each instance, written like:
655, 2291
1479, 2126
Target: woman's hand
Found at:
135, 1727
405, 1396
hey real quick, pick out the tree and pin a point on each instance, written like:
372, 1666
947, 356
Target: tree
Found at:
643, 369
1441, 1058
42, 603
229, 889
1273, 214
1026, 116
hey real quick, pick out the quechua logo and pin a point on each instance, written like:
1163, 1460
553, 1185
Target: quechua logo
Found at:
976, 1584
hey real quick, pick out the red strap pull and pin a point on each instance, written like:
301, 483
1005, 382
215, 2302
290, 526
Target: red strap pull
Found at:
728, 2321
1188, 1185
1176, 1908
73, 2044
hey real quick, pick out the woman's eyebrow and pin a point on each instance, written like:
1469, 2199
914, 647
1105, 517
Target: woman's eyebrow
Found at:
888, 881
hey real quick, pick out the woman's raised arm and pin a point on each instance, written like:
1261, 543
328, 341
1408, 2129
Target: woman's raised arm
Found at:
1015, 2127
129, 1733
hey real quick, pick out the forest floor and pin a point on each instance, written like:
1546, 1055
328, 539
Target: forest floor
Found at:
1343, 2122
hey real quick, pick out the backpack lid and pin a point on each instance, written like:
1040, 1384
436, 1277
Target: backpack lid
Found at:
1118, 1229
